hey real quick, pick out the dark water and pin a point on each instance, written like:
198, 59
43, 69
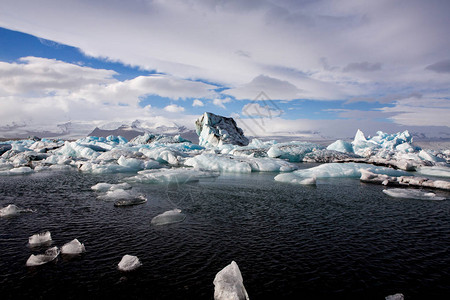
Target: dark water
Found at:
339, 240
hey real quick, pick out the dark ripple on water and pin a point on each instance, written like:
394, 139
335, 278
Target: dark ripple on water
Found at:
341, 239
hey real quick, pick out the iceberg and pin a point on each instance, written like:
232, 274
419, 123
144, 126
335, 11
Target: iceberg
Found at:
341, 146
12, 210
40, 259
229, 285
412, 194
129, 263
105, 187
438, 171
73, 247
169, 217
40, 238
175, 175
149, 138
214, 130
341, 170
238, 164
293, 151
412, 181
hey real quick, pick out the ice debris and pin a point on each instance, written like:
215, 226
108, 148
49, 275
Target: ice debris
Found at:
169, 217
293, 178
12, 210
338, 170
73, 247
105, 187
40, 259
438, 171
149, 138
214, 130
412, 194
17, 171
175, 175
129, 263
229, 285
40, 238
238, 164
129, 202
412, 181
397, 296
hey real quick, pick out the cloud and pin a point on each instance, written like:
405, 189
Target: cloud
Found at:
273, 87
362, 67
174, 108
256, 110
197, 103
221, 102
442, 66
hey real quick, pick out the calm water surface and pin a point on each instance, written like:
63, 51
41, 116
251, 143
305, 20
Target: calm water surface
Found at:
340, 240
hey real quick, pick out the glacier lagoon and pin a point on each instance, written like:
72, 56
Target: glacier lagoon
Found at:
338, 239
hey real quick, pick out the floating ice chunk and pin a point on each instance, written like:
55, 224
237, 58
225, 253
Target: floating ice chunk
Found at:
129, 263
116, 194
40, 238
413, 181
178, 175
129, 202
73, 247
40, 259
426, 155
214, 130
398, 296
293, 178
162, 155
229, 285
11, 210
104, 187
293, 151
341, 146
169, 217
17, 171
238, 164
131, 163
345, 170
412, 194
435, 171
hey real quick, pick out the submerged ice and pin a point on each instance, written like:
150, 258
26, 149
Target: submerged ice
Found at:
169, 217
412, 194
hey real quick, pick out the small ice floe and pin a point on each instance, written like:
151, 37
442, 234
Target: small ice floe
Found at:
129, 263
129, 202
397, 296
73, 247
169, 217
105, 187
412, 194
116, 194
40, 238
229, 285
17, 171
40, 259
12, 210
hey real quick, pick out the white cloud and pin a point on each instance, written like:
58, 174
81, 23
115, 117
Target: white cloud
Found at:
272, 87
197, 103
174, 108
256, 110
221, 102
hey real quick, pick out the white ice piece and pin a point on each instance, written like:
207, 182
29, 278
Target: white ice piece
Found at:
129, 263
40, 238
11, 210
116, 194
341, 146
238, 164
17, 171
176, 175
40, 259
229, 285
104, 187
73, 247
412, 194
169, 217
397, 296
439, 171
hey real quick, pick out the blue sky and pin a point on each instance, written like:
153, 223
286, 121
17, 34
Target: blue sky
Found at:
328, 69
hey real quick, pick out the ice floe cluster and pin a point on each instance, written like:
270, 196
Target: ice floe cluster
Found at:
153, 158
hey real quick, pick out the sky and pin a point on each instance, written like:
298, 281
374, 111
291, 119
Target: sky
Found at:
280, 68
